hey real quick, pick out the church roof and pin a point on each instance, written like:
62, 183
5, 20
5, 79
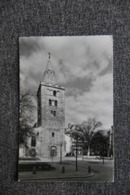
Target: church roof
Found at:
49, 74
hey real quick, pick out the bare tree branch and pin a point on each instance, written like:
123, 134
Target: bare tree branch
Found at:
26, 109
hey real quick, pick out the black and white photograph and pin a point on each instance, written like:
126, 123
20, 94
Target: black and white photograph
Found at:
66, 129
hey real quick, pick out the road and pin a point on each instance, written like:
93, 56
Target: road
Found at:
100, 171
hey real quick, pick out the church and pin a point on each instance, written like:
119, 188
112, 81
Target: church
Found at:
49, 139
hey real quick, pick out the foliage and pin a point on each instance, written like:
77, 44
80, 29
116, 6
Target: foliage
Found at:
88, 129
26, 108
75, 131
84, 132
100, 144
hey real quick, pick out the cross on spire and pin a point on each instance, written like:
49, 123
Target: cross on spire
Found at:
49, 74
49, 55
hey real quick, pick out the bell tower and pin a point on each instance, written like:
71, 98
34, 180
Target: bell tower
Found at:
51, 113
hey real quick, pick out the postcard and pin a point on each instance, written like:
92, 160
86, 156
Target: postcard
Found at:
66, 129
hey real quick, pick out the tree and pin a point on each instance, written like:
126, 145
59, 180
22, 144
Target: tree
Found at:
26, 108
88, 130
100, 144
96, 142
75, 133
104, 146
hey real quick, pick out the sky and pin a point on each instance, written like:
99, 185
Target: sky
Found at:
83, 65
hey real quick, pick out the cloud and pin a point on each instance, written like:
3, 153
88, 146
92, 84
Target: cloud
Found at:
80, 84
82, 64
98, 102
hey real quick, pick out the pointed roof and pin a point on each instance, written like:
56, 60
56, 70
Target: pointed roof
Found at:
49, 74
49, 64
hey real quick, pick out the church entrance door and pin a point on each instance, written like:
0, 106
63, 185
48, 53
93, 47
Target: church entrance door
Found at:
53, 151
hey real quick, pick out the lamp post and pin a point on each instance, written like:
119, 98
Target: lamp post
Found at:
76, 154
61, 144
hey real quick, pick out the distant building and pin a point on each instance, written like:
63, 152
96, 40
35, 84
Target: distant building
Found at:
111, 142
79, 147
68, 144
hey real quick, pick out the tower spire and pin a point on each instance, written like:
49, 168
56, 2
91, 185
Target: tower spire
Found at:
49, 74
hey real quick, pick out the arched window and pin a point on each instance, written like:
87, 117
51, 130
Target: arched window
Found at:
50, 102
53, 134
53, 103
56, 103
54, 113
33, 142
54, 93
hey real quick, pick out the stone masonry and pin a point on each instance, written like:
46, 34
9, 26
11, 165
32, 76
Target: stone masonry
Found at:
51, 116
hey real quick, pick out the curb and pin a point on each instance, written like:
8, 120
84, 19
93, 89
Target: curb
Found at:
56, 178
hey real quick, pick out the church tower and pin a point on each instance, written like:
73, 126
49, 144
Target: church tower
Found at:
51, 114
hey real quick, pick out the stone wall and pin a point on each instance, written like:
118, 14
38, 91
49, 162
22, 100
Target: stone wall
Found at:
52, 127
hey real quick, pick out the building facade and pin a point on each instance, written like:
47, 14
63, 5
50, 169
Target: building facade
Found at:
50, 139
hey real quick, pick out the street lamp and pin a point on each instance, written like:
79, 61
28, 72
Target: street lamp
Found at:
61, 144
